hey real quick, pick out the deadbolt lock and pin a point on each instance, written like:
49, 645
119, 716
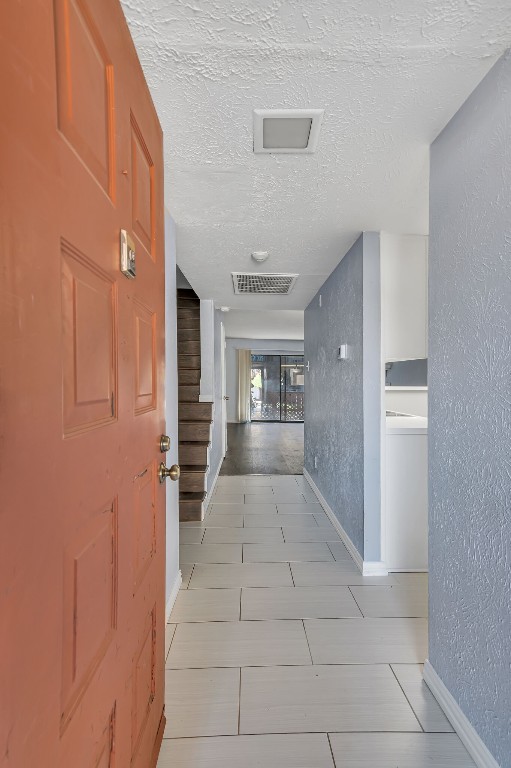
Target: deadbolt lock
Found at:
164, 443
164, 472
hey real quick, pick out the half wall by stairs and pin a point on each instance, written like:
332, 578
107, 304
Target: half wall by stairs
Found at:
195, 418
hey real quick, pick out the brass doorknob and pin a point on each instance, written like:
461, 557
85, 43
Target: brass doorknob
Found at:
164, 472
164, 443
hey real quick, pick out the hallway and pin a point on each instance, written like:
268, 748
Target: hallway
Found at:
280, 654
259, 448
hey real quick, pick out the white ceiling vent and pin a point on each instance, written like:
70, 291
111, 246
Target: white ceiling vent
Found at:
291, 131
258, 282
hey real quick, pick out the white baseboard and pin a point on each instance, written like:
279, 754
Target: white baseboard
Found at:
212, 489
374, 568
173, 595
473, 743
366, 567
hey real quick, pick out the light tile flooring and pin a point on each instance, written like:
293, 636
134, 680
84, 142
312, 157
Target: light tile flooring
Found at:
280, 654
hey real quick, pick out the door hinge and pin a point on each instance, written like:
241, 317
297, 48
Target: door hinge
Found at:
112, 404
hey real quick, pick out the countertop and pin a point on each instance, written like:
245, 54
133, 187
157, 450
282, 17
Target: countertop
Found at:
407, 425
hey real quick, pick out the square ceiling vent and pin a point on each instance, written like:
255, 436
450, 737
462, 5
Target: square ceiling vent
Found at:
258, 282
290, 131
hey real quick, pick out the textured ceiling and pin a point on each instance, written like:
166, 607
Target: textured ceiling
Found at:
389, 74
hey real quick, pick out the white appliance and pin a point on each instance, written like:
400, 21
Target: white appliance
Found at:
406, 492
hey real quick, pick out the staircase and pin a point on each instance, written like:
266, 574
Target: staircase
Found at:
194, 417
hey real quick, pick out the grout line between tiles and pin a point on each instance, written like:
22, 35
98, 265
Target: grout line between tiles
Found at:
295, 733
355, 599
296, 666
290, 618
331, 750
407, 699
171, 641
330, 548
239, 705
308, 646
190, 577
292, 577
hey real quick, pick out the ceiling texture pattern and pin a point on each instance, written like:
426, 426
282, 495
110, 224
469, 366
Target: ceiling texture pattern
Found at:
389, 75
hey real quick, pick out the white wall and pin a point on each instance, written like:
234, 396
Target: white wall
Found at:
275, 346
215, 452
268, 324
172, 532
408, 400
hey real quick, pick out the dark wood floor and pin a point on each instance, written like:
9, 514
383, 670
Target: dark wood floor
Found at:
264, 449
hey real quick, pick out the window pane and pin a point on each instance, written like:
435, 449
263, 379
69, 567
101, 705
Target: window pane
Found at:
265, 388
292, 388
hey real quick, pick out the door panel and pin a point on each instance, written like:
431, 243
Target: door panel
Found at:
90, 604
145, 522
145, 357
81, 387
142, 188
85, 89
104, 757
89, 335
144, 684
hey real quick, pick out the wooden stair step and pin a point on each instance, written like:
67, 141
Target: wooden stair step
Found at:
187, 303
188, 334
188, 393
194, 453
188, 347
191, 506
196, 411
193, 478
188, 375
190, 431
188, 323
191, 312
188, 361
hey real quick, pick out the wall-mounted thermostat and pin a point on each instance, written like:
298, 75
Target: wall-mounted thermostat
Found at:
128, 267
343, 352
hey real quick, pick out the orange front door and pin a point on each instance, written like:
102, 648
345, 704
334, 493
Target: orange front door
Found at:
81, 392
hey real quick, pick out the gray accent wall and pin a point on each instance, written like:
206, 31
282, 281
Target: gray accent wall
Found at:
337, 392
469, 372
373, 393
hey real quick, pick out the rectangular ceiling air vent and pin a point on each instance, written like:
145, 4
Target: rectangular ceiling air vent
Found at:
291, 131
258, 282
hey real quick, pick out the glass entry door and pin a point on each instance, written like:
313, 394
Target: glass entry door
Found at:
276, 388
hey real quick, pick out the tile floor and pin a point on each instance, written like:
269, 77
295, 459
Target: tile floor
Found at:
280, 654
